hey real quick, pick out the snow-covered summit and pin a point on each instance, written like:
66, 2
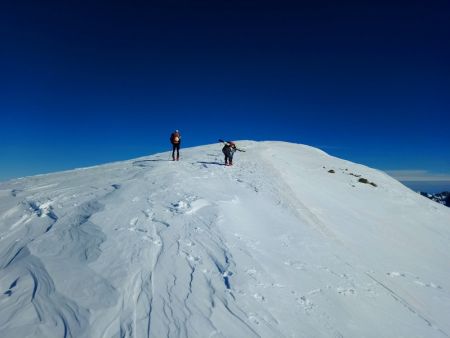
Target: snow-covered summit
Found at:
289, 242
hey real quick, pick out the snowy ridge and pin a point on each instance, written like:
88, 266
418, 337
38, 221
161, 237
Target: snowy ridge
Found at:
289, 242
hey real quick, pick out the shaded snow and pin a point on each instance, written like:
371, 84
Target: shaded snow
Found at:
275, 246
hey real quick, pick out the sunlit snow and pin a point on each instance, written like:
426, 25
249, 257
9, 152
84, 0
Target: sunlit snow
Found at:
285, 243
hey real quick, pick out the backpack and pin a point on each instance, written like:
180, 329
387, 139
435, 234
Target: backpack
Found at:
175, 138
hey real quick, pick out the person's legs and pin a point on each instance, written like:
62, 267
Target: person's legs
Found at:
178, 151
173, 151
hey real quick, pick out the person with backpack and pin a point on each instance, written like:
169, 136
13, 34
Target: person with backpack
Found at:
228, 150
175, 139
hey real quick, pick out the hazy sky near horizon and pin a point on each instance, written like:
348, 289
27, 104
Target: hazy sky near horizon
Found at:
84, 83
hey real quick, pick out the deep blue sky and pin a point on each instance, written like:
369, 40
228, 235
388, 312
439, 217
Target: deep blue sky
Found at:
87, 83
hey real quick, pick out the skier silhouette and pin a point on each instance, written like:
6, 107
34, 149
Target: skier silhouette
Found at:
228, 150
175, 139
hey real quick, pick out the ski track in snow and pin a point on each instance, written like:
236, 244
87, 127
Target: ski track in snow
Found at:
155, 248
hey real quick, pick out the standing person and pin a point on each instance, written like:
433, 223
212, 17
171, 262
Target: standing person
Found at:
228, 150
175, 139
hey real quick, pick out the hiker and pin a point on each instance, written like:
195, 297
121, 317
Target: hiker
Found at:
175, 139
228, 150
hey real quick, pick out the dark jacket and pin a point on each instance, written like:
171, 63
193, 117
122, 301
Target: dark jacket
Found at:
229, 149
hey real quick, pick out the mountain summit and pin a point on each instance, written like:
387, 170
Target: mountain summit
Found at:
288, 242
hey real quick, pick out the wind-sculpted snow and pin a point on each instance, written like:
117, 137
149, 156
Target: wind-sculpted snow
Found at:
286, 243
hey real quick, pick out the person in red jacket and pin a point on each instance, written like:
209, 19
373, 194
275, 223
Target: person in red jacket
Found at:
175, 139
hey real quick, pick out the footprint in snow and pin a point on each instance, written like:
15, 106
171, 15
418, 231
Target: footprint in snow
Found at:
346, 291
179, 207
189, 206
416, 280
259, 297
306, 303
147, 213
395, 274
278, 285
193, 258
9, 292
254, 318
227, 274
428, 285
134, 229
251, 272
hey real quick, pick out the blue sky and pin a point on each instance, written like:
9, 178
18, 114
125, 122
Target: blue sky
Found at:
88, 83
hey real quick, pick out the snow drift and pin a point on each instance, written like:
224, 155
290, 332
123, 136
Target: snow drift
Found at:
289, 242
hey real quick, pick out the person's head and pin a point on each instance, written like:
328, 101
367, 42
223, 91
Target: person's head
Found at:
176, 131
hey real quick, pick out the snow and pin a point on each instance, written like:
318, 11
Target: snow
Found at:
274, 246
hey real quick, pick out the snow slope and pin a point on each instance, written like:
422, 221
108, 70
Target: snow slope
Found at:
286, 243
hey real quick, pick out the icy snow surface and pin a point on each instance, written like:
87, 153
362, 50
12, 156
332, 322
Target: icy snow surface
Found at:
286, 243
